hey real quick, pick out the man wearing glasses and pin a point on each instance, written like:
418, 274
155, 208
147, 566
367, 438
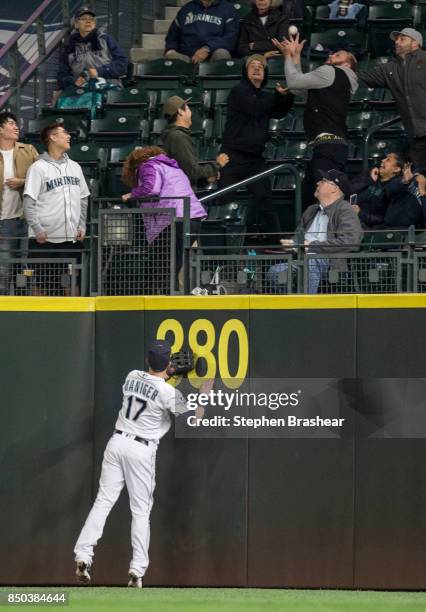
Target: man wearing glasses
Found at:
89, 54
56, 198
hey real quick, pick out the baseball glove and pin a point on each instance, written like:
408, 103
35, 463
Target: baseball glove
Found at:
182, 362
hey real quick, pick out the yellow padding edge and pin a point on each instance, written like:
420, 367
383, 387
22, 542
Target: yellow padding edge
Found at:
226, 302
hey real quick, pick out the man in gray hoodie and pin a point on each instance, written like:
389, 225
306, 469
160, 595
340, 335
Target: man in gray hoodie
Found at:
329, 90
56, 195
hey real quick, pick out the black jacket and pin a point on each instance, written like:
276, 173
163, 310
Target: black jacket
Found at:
386, 204
178, 144
249, 111
252, 30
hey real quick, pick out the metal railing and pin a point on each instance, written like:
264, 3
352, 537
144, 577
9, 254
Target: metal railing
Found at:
257, 177
370, 132
387, 261
24, 56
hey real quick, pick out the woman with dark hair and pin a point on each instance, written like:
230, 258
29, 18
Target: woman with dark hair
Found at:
265, 21
150, 172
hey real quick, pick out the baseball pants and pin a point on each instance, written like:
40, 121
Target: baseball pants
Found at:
131, 463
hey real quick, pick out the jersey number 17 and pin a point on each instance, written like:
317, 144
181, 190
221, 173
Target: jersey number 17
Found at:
135, 406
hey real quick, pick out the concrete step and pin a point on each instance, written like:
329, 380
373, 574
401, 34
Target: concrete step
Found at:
161, 26
153, 41
137, 54
171, 12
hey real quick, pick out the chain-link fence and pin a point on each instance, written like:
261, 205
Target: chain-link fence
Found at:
353, 273
242, 274
138, 252
420, 272
43, 276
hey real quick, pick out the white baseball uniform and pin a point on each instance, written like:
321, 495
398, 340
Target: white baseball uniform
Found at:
58, 187
129, 459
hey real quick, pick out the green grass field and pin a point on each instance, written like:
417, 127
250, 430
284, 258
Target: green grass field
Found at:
103, 599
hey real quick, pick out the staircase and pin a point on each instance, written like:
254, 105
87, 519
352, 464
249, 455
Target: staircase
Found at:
155, 31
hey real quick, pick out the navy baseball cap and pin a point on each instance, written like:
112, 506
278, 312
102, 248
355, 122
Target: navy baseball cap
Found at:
159, 353
84, 11
338, 178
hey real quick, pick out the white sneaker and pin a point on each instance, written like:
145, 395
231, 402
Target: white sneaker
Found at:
135, 581
83, 572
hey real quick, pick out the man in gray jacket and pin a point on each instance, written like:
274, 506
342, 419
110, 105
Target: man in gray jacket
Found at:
331, 226
405, 76
177, 141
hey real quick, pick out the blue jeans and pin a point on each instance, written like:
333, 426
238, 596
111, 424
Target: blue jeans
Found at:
13, 244
317, 268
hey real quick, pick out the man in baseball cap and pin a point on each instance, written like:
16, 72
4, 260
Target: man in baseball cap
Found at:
410, 33
158, 355
177, 142
337, 178
405, 76
172, 105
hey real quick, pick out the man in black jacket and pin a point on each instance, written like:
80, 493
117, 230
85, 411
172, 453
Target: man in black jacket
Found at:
246, 133
177, 141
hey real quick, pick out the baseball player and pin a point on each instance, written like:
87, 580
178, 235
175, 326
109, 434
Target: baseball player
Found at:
56, 193
129, 459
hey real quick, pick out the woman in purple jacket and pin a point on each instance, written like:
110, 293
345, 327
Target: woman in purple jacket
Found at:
150, 172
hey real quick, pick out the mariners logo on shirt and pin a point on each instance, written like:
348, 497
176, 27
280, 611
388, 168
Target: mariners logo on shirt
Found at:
61, 181
190, 18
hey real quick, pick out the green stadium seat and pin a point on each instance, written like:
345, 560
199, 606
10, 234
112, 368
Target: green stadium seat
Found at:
382, 20
113, 185
155, 73
359, 121
350, 39
88, 155
222, 74
134, 97
76, 123
366, 95
276, 69
120, 129
92, 160
242, 8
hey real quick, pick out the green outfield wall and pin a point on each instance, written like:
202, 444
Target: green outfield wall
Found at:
342, 509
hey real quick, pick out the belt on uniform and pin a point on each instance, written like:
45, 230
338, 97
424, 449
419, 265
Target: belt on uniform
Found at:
136, 438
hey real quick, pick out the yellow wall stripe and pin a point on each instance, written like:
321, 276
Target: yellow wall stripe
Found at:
197, 303
47, 304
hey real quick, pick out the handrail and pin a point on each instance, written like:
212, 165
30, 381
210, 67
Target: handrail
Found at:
29, 22
17, 67
257, 177
370, 132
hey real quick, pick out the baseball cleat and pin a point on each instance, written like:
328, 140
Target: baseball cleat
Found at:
83, 572
134, 580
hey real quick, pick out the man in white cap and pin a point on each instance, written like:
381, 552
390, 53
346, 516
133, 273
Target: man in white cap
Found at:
405, 76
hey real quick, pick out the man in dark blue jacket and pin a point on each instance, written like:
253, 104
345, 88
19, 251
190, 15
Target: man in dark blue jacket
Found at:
203, 29
246, 132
